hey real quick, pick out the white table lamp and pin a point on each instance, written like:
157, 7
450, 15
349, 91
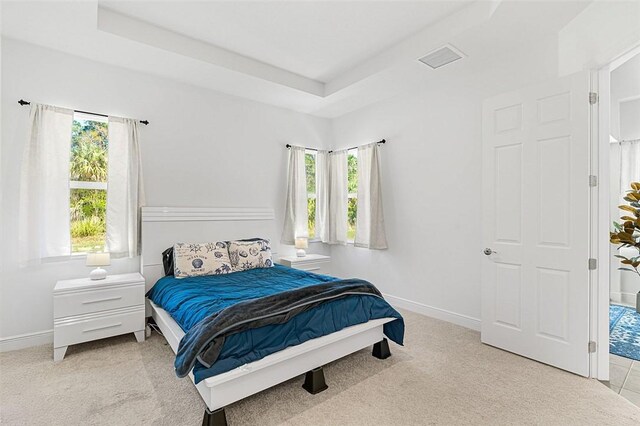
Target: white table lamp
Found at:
98, 259
301, 244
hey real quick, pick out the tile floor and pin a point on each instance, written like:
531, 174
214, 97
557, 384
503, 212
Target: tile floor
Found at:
624, 377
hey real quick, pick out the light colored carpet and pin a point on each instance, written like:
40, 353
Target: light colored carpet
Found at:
443, 375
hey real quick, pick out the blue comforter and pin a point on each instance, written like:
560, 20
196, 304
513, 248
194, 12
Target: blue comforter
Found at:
191, 300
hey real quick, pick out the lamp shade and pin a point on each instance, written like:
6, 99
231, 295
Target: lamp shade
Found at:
98, 259
302, 243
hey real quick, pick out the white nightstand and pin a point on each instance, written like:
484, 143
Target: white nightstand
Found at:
316, 263
85, 310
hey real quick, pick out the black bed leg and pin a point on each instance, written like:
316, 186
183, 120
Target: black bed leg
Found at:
381, 349
215, 418
314, 381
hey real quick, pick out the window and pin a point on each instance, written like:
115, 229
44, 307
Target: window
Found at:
88, 183
352, 189
310, 167
352, 186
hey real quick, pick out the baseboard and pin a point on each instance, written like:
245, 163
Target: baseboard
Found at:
28, 340
620, 298
437, 313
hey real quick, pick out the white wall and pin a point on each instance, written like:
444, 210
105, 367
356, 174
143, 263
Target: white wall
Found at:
431, 167
599, 34
625, 92
432, 182
202, 148
630, 118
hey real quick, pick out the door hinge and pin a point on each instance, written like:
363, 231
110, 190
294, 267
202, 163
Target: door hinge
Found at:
593, 180
593, 264
593, 98
592, 346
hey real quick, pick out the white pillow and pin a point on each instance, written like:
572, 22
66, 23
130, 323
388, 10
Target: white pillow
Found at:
250, 254
195, 259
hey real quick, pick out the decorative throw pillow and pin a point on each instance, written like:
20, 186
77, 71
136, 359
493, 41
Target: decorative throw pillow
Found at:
250, 254
194, 259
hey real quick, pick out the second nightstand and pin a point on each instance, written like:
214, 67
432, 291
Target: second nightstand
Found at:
316, 263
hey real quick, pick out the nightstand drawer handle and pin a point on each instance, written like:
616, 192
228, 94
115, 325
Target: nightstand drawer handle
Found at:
102, 300
102, 328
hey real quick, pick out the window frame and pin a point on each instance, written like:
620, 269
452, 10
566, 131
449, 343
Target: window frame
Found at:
313, 195
89, 185
352, 195
83, 184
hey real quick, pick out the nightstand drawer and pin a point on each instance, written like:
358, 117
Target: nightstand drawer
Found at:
97, 300
99, 326
317, 268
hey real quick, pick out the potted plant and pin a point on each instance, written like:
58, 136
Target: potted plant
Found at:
627, 234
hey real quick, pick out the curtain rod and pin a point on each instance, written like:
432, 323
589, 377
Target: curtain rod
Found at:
353, 147
23, 103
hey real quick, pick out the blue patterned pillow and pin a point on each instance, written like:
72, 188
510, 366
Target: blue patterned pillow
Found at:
194, 259
250, 254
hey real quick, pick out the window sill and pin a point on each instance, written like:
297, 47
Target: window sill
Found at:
317, 240
71, 257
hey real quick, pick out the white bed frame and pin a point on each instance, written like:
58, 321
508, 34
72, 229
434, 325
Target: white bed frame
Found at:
163, 226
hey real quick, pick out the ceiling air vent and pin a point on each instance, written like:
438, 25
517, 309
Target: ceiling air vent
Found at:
443, 56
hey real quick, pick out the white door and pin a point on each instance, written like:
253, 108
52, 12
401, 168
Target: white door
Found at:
535, 278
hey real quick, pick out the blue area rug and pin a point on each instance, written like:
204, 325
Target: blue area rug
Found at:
624, 330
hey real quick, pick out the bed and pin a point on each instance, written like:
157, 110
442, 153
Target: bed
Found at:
254, 359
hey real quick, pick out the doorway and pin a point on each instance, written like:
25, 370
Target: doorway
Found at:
623, 150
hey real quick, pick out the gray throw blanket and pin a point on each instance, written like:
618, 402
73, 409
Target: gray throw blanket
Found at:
205, 340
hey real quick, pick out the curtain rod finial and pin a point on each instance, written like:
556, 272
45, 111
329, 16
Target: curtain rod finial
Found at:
23, 102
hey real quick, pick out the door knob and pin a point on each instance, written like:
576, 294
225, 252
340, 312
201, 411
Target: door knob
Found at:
489, 252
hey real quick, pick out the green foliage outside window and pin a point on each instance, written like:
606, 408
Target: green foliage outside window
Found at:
89, 147
310, 167
89, 155
352, 172
352, 186
311, 210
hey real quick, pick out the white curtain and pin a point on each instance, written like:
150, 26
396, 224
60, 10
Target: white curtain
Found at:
338, 197
125, 193
44, 190
322, 195
295, 213
370, 218
629, 162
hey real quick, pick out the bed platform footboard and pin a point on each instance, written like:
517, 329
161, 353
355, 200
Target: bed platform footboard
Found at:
224, 389
381, 349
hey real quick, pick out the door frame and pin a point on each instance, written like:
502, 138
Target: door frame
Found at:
599, 278
600, 198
